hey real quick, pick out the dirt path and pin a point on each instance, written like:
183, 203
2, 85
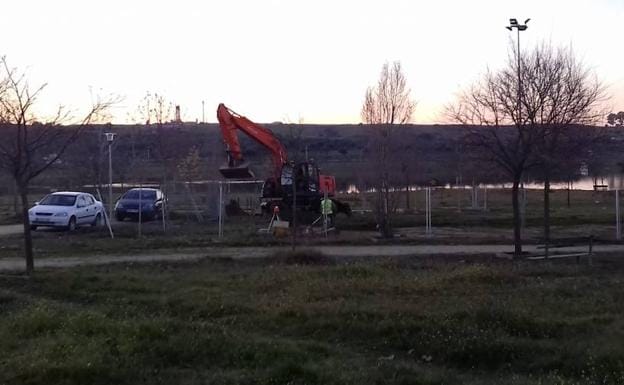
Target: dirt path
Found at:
11, 229
17, 264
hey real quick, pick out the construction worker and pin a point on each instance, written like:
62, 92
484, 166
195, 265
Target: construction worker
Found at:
327, 209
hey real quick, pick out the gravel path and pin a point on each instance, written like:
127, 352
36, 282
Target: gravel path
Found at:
17, 264
11, 229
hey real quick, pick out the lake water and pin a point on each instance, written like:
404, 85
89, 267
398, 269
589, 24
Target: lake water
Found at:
611, 182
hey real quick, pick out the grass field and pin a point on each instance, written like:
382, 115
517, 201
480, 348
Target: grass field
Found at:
305, 319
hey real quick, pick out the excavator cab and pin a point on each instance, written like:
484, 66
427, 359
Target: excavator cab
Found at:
305, 176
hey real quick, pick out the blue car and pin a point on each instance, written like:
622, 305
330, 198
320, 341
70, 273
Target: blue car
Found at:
147, 201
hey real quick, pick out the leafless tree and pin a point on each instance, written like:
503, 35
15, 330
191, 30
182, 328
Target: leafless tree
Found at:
156, 110
561, 97
30, 146
86, 159
495, 133
556, 92
386, 105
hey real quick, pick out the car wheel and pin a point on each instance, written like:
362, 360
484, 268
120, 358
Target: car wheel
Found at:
33, 227
97, 222
119, 217
71, 225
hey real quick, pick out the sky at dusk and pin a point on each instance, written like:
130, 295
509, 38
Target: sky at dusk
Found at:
290, 60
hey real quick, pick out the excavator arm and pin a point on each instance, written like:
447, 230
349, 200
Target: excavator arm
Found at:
230, 122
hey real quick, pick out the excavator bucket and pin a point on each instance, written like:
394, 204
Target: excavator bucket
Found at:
240, 171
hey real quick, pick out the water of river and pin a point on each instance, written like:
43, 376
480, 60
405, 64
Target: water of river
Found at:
611, 182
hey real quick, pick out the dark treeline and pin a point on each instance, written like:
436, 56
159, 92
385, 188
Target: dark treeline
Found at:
436, 154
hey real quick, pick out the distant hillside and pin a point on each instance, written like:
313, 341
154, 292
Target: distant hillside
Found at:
422, 153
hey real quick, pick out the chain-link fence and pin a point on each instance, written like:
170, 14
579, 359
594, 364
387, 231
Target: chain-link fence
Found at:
211, 201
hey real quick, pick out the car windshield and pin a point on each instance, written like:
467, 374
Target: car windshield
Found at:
58, 200
145, 194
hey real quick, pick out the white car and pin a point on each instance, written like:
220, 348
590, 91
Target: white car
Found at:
66, 209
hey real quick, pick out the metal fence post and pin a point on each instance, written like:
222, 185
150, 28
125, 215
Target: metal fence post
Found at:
485, 198
428, 210
220, 209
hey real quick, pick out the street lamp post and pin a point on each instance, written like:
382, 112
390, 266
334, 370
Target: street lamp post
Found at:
513, 23
110, 137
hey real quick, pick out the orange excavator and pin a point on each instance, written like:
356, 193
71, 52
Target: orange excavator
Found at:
310, 184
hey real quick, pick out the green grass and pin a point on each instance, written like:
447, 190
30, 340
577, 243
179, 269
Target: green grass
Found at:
306, 319
180, 234
586, 207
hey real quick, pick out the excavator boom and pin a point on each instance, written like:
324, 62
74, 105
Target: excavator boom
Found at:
237, 168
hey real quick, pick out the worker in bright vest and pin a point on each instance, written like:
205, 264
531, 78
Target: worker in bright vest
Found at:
327, 208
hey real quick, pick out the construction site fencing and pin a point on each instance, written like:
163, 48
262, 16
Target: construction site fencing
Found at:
212, 201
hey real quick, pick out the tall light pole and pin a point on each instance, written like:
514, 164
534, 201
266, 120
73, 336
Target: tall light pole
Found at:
513, 23
110, 137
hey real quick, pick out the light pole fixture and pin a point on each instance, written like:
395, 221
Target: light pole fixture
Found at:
513, 23
110, 137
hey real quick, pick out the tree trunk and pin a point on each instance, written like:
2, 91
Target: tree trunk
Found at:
16, 204
294, 214
569, 188
384, 189
546, 213
516, 216
28, 246
387, 231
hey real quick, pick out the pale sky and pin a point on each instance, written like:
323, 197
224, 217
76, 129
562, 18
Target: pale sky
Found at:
278, 60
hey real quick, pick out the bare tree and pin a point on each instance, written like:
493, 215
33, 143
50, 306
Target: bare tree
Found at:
31, 146
154, 109
556, 93
387, 104
561, 98
157, 110
496, 131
